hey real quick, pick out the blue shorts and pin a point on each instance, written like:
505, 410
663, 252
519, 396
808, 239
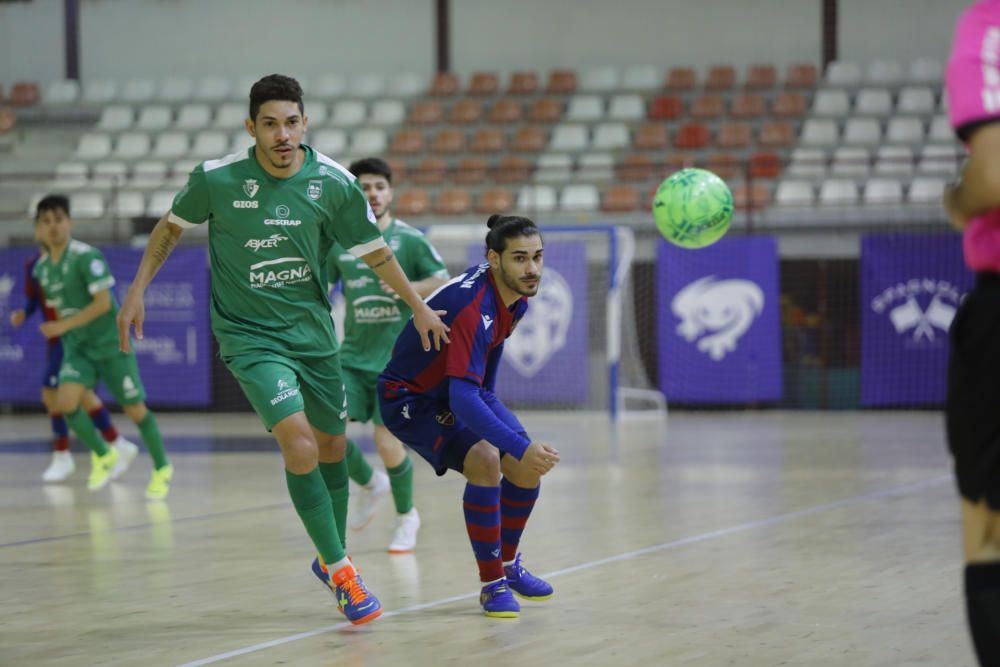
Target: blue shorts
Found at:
427, 427
53, 361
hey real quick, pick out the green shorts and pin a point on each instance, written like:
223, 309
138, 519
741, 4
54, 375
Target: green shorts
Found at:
119, 371
362, 395
278, 386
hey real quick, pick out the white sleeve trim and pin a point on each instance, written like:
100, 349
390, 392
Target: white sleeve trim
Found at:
103, 284
179, 221
360, 251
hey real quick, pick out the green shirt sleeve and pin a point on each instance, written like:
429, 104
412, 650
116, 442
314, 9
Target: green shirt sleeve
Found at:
428, 262
191, 204
353, 224
95, 272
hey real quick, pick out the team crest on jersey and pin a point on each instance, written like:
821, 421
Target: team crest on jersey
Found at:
250, 187
315, 190
445, 418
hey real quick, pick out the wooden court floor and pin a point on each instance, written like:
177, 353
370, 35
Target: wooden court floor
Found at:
751, 539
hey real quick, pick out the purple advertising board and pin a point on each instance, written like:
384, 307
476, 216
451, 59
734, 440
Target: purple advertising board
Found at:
175, 355
546, 360
911, 286
718, 319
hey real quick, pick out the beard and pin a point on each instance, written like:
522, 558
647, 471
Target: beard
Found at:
518, 285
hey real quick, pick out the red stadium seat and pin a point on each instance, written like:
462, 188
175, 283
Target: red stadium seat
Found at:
487, 140
23, 94
426, 112
448, 140
620, 199
484, 83
452, 201
725, 165
757, 196
523, 83
761, 77
651, 137
512, 170
429, 171
765, 164
465, 112
530, 139
692, 136
545, 110
400, 170
412, 202
776, 134
469, 171
680, 80
788, 105
494, 200
733, 135
505, 111
445, 84
666, 107
8, 119
720, 77
407, 142
635, 167
801, 75
707, 107
561, 82
748, 105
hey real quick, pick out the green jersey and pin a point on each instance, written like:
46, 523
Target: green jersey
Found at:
70, 285
268, 239
374, 318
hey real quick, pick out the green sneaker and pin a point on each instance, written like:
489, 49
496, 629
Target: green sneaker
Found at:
159, 483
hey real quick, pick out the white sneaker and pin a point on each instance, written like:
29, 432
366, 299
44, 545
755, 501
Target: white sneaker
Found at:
405, 538
370, 495
127, 451
62, 466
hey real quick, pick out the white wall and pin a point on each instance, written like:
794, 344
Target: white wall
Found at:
897, 29
31, 41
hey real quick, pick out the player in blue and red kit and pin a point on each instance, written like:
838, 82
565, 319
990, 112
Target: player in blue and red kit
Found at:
441, 404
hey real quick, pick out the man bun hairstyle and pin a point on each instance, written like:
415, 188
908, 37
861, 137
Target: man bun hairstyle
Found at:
275, 87
503, 227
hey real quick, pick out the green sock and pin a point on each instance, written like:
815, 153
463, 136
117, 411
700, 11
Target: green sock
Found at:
154, 441
401, 479
84, 428
335, 478
312, 503
357, 467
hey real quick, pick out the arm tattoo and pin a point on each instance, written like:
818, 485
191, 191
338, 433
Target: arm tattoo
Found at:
163, 249
385, 260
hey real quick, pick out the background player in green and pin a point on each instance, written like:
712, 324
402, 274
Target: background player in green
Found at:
274, 212
374, 317
77, 284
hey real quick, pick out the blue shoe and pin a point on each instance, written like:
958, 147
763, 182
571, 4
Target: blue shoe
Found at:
357, 603
498, 601
525, 583
319, 569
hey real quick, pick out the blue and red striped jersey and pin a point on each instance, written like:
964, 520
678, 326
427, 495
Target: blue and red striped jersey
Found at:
34, 296
479, 322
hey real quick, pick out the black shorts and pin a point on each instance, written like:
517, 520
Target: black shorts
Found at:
972, 410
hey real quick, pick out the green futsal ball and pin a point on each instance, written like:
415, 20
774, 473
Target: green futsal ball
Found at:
693, 208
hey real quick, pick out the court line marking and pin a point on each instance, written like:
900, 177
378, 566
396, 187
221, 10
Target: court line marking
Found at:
673, 544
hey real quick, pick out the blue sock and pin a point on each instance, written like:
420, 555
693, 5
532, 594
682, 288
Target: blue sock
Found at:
481, 505
59, 427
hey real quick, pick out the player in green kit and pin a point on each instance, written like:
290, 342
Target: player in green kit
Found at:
274, 211
77, 283
375, 316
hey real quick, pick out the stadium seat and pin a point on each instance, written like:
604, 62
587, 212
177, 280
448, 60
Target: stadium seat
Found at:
761, 77
641, 78
595, 167
368, 141
765, 165
448, 140
487, 140
148, 174
61, 91
733, 135
620, 199
452, 201
159, 203
318, 115
444, 84
193, 117
569, 138
328, 87
108, 174
213, 89
349, 113
915, 100
230, 116
93, 146
179, 173
720, 78
599, 80
585, 108
483, 84
244, 82
666, 107
528, 139
426, 112
938, 159
176, 89
925, 71
154, 118
726, 166
940, 130
540, 198
843, 74
561, 82
904, 130
651, 137
99, 91
386, 112
494, 200
753, 196
579, 197
545, 110
627, 108
70, 176
807, 162
209, 144
407, 142
635, 167
884, 72
817, 132
128, 204
681, 80
430, 171
794, 193
850, 161
747, 106
692, 136
138, 91
611, 136
405, 84
553, 168
776, 134
115, 118
465, 112
801, 76
873, 102
838, 192
707, 107
522, 83
330, 141
470, 171
412, 202
942, 107
788, 105
132, 145
505, 111
365, 86
512, 169
400, 170
883, 191
87, 204
170, 145
241, 141
894, 161
831, 102
23, 94
926, 190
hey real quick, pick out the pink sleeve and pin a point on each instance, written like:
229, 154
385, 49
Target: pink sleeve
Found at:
972, 79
